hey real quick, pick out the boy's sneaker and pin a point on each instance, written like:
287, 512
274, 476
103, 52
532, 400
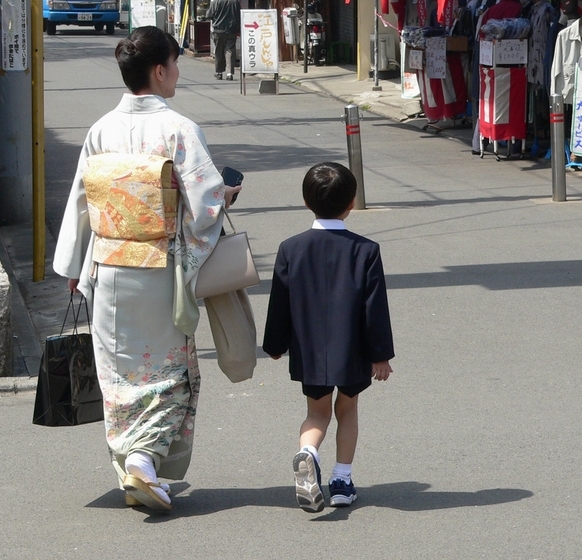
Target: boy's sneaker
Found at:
307, 482
341, 493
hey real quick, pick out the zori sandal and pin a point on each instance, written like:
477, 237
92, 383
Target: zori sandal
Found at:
145, 493
130, 501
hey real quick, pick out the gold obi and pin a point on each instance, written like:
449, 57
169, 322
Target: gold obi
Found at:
132, 208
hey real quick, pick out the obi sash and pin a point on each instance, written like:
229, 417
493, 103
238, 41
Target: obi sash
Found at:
132, 208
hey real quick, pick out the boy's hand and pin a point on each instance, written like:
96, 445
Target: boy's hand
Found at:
275, 357
381, 370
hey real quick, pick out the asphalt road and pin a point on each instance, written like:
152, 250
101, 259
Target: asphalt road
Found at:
471, 449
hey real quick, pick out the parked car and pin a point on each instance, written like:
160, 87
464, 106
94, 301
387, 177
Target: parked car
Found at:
100, 14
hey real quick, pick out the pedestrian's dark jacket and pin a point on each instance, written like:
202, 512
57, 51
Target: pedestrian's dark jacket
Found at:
328, 308
225, 16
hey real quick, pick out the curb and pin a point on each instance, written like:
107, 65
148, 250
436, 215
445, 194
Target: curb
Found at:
15, 385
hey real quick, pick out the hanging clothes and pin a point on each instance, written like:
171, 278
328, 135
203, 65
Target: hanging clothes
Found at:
504, 9
566, 55
541, 16
444, 98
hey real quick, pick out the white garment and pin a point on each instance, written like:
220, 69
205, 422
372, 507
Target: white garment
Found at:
322, 223
566, 55
145, 124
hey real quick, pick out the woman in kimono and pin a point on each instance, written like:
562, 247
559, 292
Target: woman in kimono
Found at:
144, 318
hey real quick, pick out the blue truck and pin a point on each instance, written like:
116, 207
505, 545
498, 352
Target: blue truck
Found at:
100, 14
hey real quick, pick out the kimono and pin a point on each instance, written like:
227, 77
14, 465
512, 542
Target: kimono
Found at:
143, 319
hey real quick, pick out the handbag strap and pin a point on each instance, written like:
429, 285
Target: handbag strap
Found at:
229, 220
76, 314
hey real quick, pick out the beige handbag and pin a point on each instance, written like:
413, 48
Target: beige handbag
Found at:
230, 266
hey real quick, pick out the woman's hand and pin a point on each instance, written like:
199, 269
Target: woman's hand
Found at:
72, 283
229, 193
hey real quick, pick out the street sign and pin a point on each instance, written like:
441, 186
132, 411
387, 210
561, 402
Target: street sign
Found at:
13, 46
259, 42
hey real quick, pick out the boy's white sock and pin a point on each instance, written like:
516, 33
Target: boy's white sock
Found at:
311, 450
342, 471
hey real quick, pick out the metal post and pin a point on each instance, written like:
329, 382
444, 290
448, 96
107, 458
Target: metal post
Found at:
352, 120
38, 161
376, 12
557, 146
305, 37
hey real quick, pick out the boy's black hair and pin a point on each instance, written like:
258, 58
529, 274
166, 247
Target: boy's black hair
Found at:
145, 48
328, 189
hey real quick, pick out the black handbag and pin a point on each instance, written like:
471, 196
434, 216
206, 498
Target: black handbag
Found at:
68, 392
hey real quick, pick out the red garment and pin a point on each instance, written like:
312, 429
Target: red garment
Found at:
502, 10
502, 104
444, 98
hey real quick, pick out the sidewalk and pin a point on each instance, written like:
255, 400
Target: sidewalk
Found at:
340, 83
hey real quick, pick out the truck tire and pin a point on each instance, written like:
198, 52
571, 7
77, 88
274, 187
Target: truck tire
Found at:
110, 28
98, 27
51, 28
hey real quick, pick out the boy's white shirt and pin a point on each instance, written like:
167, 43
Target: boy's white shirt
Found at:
328, 224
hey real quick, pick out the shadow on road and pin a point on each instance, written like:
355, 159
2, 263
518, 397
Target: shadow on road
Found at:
495, 276
403, 496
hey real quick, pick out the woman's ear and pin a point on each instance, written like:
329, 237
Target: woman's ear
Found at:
160, 72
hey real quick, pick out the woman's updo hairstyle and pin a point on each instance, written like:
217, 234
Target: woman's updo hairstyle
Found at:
145, 48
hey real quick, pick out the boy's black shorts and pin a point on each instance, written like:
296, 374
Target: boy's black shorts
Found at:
318, 391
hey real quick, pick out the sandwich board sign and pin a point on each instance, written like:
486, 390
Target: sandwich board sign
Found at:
259, 44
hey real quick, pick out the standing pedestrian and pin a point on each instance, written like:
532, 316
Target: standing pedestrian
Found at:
328, 307
225, 17
144, 316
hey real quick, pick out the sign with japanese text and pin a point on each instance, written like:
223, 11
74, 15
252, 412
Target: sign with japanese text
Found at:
14, 44
576, 137
505, 51
143, 12
415, 59
436, 57
409, 80
259, 42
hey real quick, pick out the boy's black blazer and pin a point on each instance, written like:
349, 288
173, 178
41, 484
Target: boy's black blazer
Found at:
328, 308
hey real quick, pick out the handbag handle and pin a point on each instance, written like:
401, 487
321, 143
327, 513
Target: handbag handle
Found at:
229, 220
76, 313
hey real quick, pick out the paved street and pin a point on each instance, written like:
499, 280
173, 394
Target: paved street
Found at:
471, 450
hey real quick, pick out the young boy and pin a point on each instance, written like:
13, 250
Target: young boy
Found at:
328, 308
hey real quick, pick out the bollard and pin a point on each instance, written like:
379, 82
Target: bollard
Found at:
557, 144
352, 120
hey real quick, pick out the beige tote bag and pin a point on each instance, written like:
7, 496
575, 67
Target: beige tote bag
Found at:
235, 335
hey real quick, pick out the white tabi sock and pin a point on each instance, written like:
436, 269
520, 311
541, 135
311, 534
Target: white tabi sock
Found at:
141, 465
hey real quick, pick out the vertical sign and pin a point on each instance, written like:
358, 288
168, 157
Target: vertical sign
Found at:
409, 80
576, 137
14, 45
259, 42
436, 57
143, 12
